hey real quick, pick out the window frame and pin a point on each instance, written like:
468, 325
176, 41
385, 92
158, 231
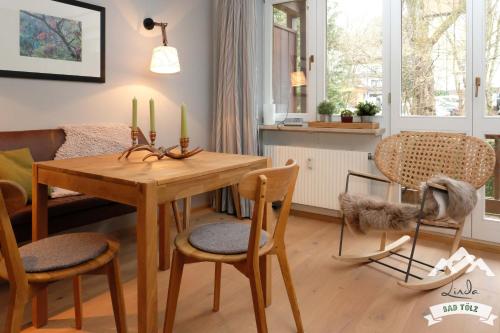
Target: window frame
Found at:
316, 45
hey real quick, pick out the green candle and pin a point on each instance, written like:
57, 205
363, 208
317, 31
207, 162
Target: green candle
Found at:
184, 128
134, 114
152, 122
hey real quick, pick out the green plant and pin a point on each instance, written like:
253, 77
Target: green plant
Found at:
326, 108
346, 113
367, 109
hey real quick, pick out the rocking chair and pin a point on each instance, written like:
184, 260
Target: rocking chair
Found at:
409, 159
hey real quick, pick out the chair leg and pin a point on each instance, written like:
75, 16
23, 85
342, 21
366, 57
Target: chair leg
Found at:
186, 213
173, 290
257, 298
15, 311
217, 286
410, 261
287, 278
456, 240
77, 296
116, 290
177, 216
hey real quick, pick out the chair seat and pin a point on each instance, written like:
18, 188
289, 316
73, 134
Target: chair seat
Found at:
223, 238
183, 244
62, 252
443, 223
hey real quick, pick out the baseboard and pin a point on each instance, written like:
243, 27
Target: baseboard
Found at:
469, 243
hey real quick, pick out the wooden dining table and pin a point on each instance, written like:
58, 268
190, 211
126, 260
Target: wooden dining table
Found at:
146, 186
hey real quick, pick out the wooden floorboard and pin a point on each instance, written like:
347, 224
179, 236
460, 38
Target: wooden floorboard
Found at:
333, 296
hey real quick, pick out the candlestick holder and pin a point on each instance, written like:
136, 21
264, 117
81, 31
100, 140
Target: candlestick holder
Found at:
160, 152
140, 147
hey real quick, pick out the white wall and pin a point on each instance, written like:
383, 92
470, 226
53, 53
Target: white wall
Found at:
37, 104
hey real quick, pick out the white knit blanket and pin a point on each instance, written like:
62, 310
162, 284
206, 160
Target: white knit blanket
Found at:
91, 140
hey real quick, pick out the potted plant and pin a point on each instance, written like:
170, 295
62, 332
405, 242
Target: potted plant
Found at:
366, 110
325, 110
346, 116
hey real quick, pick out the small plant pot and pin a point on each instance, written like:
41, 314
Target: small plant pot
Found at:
346, 119
325, 117
367, 119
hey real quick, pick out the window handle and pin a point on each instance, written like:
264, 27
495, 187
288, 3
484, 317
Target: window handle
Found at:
311, 61
478, 84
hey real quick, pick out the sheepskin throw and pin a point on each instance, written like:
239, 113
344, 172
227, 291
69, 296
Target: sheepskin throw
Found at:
363, 213
91, 140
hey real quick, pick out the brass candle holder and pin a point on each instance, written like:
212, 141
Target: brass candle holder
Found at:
140, 147
160, 152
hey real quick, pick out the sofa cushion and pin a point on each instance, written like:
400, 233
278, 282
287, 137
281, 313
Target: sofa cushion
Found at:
16, 165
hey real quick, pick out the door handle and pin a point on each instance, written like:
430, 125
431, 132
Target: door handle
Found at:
478, 84
311, 61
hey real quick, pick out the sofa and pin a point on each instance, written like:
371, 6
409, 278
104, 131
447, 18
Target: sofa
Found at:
64, 213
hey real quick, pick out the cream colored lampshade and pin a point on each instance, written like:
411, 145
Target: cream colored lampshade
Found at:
165, 60
298, 79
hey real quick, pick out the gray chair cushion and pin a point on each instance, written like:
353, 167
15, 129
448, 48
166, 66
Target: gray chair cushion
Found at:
223, 238
64, 251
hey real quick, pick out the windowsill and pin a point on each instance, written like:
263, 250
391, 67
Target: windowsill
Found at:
306, 129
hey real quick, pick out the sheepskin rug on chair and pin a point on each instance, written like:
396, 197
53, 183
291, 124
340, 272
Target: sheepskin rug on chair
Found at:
363, 213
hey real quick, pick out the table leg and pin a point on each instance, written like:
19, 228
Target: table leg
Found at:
186, 213
147, 253
236, 200
39, 230
164, 223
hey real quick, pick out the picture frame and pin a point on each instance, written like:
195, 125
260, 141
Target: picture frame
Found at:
53, 40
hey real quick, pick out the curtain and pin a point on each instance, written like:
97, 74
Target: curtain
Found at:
234, 121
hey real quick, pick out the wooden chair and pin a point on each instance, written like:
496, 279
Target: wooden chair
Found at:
410, 159
25, 285
264, 187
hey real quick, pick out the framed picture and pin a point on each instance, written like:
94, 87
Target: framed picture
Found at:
52, 40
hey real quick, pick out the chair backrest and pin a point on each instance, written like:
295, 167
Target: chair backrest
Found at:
8, 245
410, 158
264, 187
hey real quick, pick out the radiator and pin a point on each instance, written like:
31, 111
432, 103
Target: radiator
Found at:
322, 173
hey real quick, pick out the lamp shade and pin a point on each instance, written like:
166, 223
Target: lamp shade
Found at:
298, 79
165, 60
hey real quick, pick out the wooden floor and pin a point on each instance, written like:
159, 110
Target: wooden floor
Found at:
333, 297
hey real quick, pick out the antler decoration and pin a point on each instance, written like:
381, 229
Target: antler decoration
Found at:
168, 152
160, 152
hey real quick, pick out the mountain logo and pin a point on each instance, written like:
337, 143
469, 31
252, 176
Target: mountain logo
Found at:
457, 262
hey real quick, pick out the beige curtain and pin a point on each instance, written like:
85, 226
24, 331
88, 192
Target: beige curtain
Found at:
234, 121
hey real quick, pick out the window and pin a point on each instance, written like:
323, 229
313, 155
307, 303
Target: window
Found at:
289, 75
433, 58
354, 51
492, 58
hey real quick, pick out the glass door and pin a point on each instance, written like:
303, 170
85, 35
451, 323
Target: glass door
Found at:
486, 71
431, 70
431, 57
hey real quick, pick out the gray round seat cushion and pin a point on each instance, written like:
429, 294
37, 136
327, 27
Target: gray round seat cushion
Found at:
64, 251
223, 238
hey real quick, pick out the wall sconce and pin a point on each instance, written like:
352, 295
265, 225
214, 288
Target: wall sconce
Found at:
298, 79
165, 59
